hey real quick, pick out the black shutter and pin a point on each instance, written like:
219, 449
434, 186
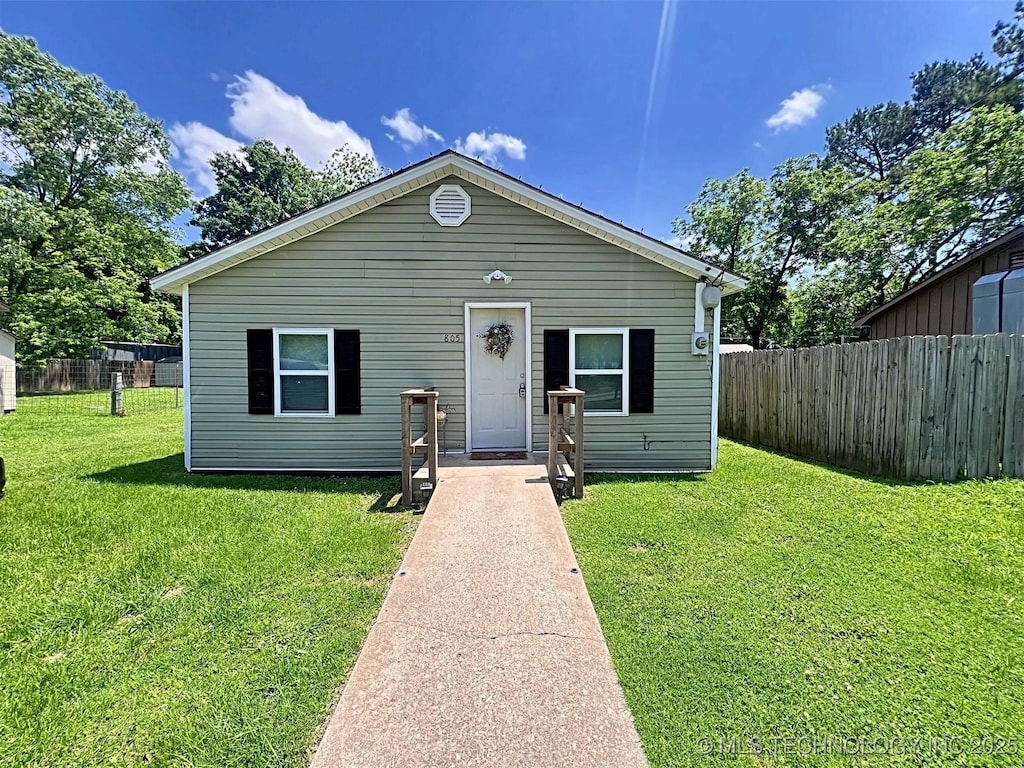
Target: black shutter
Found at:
556, 361
260, 348
347, 397
641, 370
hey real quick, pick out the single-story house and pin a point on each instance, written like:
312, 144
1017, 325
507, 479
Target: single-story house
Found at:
943, 304
298, 339
8, 398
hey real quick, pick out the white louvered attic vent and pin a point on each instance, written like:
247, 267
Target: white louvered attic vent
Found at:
450, 205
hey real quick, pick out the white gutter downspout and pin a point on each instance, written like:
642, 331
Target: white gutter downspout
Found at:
699, 316
716, 335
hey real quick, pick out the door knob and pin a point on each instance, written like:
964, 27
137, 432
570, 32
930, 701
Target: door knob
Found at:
522, 389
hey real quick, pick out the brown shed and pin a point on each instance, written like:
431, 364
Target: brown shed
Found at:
941, 304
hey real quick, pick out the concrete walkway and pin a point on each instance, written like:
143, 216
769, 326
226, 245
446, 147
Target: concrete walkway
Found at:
487, 650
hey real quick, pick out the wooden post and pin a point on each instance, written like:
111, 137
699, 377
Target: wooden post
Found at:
116, 394
553, 435
427, 443
406, 449
430, 409
560, 403
577, 434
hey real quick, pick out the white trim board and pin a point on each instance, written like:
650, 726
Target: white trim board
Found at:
448, 163
397, 470
526, 306
186, 377
297, 470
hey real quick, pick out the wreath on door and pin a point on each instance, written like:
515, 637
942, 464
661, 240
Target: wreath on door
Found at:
497, 339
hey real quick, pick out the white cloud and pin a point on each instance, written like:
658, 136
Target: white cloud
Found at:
487, 146
798, 109
758, 145
261, 110
410, 133
193, 145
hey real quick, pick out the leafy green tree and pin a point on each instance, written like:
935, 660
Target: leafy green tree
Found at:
824, 311
946, 91
770, 231
874, 142
86, 205
904, 189
1008, 44
933, 173
961, 189
260, 185
964, 189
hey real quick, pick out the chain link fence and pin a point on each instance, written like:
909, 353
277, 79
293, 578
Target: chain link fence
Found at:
100, 387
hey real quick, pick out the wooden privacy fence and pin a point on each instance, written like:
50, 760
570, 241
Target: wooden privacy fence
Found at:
918, 407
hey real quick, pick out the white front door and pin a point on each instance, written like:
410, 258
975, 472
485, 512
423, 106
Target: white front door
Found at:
498, 386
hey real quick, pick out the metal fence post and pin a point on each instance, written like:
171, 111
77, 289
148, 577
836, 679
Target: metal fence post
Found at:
116, 394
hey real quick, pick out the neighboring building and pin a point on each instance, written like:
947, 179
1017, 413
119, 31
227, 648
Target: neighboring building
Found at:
942, 304
130, 351
8, 400
727, 349
299, 339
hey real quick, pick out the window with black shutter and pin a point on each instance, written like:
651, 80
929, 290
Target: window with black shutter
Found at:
614, 366
303, 371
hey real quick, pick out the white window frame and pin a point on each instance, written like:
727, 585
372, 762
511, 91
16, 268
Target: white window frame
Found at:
624, 371
329, 373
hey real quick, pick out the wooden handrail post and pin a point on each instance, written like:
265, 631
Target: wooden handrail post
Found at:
565, 405
553, 434
427, 443
577, 434
430, 407
406, 449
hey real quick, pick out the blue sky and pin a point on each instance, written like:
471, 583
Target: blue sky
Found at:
625, 107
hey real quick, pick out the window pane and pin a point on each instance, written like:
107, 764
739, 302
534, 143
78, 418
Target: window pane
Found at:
304, 393
599, 351
303, 351
604, 391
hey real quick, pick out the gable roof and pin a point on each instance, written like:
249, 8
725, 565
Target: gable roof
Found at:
447, 163
956, 266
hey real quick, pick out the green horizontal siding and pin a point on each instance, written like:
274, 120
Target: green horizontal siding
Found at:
403, 281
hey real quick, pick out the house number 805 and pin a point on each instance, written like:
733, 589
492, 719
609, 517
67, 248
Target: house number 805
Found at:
453, 338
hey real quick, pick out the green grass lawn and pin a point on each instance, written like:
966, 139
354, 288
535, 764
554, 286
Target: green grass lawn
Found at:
151, 617
777, 599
